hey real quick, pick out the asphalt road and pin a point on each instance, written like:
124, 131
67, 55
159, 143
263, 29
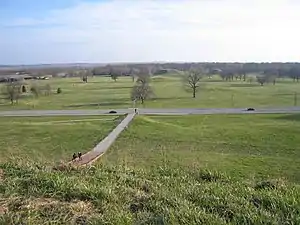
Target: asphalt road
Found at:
182, 111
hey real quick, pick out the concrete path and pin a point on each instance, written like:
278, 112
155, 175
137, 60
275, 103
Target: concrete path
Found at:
104, 145
147, 111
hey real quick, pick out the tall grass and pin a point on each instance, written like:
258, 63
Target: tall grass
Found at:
34, 194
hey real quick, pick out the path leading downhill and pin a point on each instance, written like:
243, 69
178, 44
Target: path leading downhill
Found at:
104, 145
93, 155
147, 111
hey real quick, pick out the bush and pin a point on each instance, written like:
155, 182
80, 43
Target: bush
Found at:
58, 91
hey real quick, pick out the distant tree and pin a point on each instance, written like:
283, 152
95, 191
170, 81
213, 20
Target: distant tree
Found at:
227, 75
142, 90
35, 90
133, 72
85, 79
114, 76
12, 91
192, 80
262, 79
47, 90
271, 75
38, 89
59, 91
294, 73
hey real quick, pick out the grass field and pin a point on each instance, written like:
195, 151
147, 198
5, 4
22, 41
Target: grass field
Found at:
249, 146
216, 169
50, 139
212, 169
103, 92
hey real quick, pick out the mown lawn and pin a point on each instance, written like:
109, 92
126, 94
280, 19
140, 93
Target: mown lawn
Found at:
249, 146
50, 139
103, 93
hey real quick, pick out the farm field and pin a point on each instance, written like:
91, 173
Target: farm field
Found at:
104, 93
51, 139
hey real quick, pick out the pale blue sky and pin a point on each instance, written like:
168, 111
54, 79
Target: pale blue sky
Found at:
69, 31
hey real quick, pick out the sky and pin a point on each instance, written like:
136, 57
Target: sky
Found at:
103, 31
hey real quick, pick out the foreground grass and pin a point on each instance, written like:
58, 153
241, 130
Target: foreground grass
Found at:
49, 139
249, 146
103, 93
33, 194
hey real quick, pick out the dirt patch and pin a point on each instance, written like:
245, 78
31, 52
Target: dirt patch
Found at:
3, 210
76, 207
46, 205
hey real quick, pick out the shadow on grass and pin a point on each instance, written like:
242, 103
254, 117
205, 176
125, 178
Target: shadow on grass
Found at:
97, 104
113, 88
215, 81
171, 98
291, 117
243, 85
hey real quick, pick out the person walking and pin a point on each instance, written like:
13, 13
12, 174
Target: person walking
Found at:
79, 156
74, 157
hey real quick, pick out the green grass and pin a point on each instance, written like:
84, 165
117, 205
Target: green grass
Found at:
249, 146
49, 139
121, 195
103, 93
216, 169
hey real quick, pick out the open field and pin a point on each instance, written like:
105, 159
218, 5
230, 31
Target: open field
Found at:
50, 139
249, 146
103, 93
213, 169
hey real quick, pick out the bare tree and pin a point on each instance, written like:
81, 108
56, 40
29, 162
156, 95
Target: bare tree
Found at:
84, 75
12, 91
85, 79
37, 89
192, 80
262, 79
133, 73
114, 76
47, 89
142, 90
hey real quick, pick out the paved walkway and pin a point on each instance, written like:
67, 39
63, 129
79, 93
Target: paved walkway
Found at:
104, 145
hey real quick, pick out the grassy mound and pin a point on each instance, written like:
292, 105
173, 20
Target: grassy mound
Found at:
33, 194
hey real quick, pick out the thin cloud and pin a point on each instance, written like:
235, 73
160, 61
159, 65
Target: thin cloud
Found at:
228, 30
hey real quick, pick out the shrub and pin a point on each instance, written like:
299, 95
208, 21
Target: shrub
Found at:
58, 91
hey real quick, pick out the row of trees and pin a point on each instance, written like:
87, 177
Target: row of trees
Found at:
192, 79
